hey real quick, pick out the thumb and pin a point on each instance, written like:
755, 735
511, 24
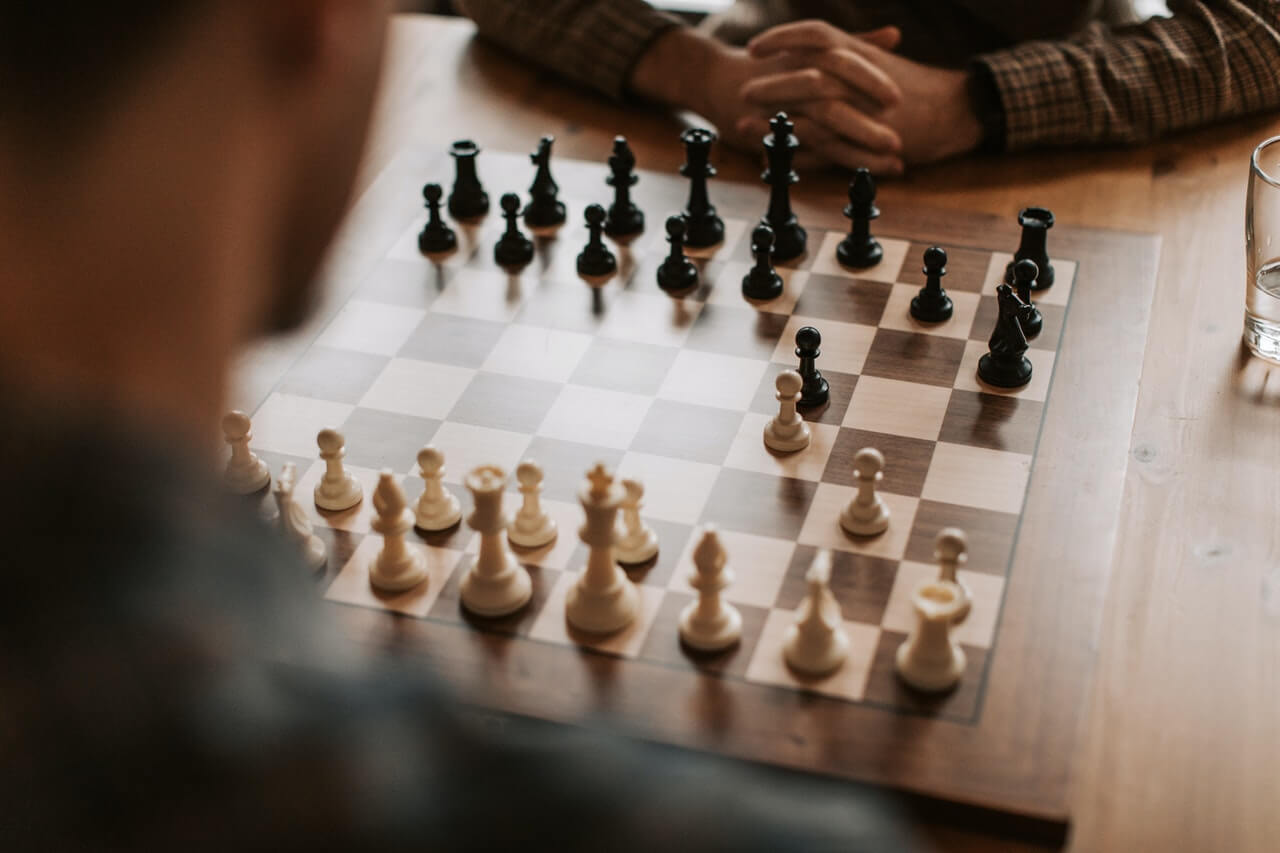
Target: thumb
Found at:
886, 38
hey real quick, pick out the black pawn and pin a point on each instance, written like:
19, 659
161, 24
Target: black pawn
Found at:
763, 281
624, 218
596, 259
467, 199
1034, 246
545, 210
814, 391
676, 273
1006, 364
860, 249
513, 248
1024, 281
780, 151
931, 304
704, 228
436, 236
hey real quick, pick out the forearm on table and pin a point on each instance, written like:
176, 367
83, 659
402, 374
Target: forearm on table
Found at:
596, 43
1212, 60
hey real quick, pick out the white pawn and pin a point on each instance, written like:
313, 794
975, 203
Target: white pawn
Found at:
867, 514
294, 522
397, 566
245, 473
603, 600
951, 550
496, 584
710, 623
532, 527
787, 432
337, 489
637, 543
437, 507
929, 659
817, 644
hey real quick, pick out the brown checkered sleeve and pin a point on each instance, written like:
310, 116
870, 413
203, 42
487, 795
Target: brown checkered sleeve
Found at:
1212, 60
590, 42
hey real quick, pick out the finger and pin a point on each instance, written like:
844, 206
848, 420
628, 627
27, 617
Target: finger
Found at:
860, 73
852, 125
797, 35
831, 77
885, 38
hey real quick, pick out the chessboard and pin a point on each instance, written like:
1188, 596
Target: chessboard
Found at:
493, 367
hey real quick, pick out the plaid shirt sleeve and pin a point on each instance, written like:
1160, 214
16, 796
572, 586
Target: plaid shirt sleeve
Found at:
592, 42
1212, 60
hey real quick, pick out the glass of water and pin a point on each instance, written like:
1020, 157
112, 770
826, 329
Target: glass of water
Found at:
1262, 252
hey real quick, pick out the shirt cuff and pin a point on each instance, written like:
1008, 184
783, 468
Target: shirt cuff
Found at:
615, 39
1040, 96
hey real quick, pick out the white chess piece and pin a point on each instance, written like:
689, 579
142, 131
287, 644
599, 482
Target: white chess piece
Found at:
951, 550
438, 508
929, 659
294, 522
397, 567
532, 527
496, 584
817, 644
636, 542
603, 599
710, 623
867, 514
787, 432
245, 473
337, 489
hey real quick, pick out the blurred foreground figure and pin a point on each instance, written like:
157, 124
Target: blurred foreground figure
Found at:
880, 84
170, 174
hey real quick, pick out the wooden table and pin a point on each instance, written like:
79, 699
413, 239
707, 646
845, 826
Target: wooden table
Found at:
1184, 734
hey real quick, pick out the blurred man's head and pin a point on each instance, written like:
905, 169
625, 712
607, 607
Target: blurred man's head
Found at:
171, 172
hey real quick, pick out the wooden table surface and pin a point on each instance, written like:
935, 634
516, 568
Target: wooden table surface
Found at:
1183, 742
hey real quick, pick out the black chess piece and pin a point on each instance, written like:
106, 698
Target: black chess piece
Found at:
860, 250
1024, 274
762, 282
467, 199
513, 248
545, 210
677, 273
703, 227
436, 236
780, 150
596, 259
1034, 245
932, 304
624, 218
815, 391
1006, 364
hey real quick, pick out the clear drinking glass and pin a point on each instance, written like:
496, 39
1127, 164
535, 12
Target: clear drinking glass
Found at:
1261, 230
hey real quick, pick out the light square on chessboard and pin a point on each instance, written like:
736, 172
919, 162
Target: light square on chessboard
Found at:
759, 564
419, 388
467, 447
898, 408
551, 625
888, 270
822, 524
737, 330
565, 464
378, 439
535, 353
372, 327
709, 379
844, 345
897, 313
726, 287
624, 366
1064, 275
1037, 389
769, 666
650, 318
288, 424
352, 586
569, 305
406, 283
556, 555
357, 518
978, 477
595, 416
749, 452
449, 339
985, 593
736, 243
482, 294
675, 490
686, 431
342, 376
